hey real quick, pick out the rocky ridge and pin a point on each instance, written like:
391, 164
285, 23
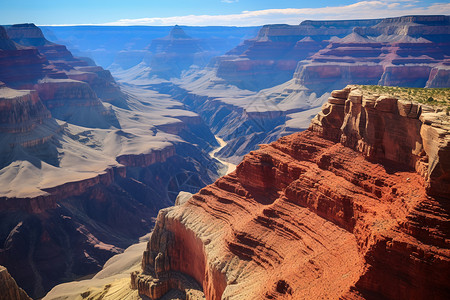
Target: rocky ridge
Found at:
81, 179
9, 288
393, 51
65, 65
361, 196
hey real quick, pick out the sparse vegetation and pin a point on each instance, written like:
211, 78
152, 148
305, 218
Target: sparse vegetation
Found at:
431, 96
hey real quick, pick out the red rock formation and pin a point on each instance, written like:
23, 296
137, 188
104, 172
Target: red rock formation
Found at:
353, 208
65, 65
30, 35
8, 287
368, 52
396, 52
439, 76
20, 111
20, 66
271, 57
65, 92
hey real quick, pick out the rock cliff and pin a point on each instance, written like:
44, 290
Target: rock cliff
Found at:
65, 65
271, 58
356, 207
9, 288
80, 180
393, 51
71, 197
19, 65
170, 55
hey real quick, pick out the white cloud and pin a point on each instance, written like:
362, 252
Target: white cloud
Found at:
229, 1
359, 10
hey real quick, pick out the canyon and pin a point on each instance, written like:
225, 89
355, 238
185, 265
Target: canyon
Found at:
273, 84
346, 209
353, 207
85, 165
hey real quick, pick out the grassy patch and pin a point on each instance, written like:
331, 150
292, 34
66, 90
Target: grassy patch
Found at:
430, 96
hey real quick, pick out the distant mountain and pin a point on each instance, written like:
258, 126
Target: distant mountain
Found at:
124, 46
321, 53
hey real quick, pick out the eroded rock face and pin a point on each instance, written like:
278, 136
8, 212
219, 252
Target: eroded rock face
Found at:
64, 65
9, 288
271, 58
78, 186
170, 55
14, 60
347, 209
386, 128
405, 51
20, 110
75, 102
330, 54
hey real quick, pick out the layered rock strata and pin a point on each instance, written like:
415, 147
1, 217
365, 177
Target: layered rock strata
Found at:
353, 208
64, 65
20, 65
170, 55
329, 54
405, 51
80, 179
271, 58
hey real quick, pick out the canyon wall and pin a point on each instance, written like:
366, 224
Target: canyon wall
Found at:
353, 208
9, 288
329, 54
309, 60
81, 179
167, 57
271, 58
65, 65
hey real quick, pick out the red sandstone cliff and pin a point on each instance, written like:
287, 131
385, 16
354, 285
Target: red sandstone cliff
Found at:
62, 64
356, 207
330, 54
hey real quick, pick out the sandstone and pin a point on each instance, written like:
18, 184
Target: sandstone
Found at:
369, 101
386, 104
332, 54
341, 94
20, 110
14, 59
408, 109
338, 101
271, 58
64, 65
400, 132
350, 195
393, 52
8, 287
355, 97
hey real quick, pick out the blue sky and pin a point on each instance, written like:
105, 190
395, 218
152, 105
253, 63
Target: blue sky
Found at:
206, 12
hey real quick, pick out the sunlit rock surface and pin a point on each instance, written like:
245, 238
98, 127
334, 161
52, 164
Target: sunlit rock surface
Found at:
354, 196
